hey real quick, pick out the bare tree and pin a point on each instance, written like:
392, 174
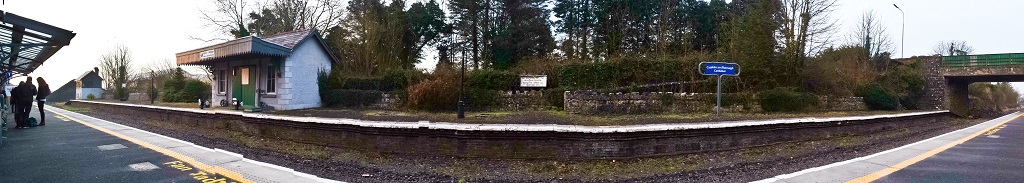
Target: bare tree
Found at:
872, 35
807, 27
227, 17
305, 14
953, 48
116, 68
158, 73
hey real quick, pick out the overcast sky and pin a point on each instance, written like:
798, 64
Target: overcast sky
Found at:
156, 30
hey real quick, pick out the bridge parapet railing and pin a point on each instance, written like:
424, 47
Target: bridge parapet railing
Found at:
983, 60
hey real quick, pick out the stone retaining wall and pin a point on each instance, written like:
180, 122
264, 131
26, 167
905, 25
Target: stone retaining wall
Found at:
522, 100
507, 143
388, 101
583, 102
842, 104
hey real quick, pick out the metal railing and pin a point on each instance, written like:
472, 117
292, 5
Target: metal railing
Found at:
983, 60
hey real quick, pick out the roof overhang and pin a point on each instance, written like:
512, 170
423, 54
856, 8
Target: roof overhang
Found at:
240, 48
25, 43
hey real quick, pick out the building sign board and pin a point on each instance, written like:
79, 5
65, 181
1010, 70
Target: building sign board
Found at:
533, 81
206, 54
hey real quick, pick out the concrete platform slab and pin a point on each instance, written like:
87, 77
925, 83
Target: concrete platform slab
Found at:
895, 157
164, 142
840, 173
260, 173
973, 150
212, 159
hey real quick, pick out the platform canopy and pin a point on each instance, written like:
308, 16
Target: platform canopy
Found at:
25, 43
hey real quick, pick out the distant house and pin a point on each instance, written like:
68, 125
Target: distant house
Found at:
278, 71
88, 83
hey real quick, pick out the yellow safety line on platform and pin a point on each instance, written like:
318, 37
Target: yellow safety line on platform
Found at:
906, 163
202, 166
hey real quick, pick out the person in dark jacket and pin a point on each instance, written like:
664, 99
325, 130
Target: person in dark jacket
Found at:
44, 90
28, 92
15, 104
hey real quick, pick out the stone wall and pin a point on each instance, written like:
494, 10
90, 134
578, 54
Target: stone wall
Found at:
842, 104
507, 101
388, 101
584, 102
934, 88
522, 100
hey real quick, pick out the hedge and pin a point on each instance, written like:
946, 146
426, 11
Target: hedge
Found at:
876, 98
787, 99
350, 98
625, 72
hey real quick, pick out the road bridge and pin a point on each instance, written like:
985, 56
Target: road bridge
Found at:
949, 76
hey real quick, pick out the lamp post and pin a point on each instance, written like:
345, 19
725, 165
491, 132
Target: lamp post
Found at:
462, 83
903, 31
152, 87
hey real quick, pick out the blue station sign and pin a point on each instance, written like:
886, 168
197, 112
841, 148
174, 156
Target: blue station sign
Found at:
720, 68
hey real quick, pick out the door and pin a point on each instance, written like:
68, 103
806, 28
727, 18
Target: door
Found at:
244, 86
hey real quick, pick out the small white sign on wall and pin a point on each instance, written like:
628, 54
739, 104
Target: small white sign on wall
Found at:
533, 81
206, 54
245, 76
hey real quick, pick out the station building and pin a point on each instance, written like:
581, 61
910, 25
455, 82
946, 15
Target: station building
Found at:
277, 71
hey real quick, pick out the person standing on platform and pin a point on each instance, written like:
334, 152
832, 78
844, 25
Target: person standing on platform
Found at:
44, 91
16, 104
28, 92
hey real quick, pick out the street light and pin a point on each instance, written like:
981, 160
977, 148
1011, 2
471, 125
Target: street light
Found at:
462, 84
903, 31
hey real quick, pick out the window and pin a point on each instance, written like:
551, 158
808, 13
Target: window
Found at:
271, 79
222, 81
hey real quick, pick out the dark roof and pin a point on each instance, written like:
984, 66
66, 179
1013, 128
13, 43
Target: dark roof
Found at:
289, 39
280, 45
87, 73
25, 43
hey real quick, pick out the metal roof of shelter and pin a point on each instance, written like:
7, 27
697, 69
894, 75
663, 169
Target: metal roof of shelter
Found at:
279, 45
25, 43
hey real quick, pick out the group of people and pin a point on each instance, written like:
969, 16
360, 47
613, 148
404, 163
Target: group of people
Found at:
22, 97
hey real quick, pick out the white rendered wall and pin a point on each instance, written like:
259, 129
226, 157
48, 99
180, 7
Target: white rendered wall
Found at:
297, 86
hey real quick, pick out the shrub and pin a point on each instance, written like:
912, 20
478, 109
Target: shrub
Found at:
876, 98
190, 90
435, 94
784, 99
482, 99
194, 90
366, 83
350, 98
322, 80
90, 97
400, 79
391, 80
621, 72
489, 79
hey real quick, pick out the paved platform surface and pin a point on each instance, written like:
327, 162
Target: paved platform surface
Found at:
995, 156
992, 151
76, 148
